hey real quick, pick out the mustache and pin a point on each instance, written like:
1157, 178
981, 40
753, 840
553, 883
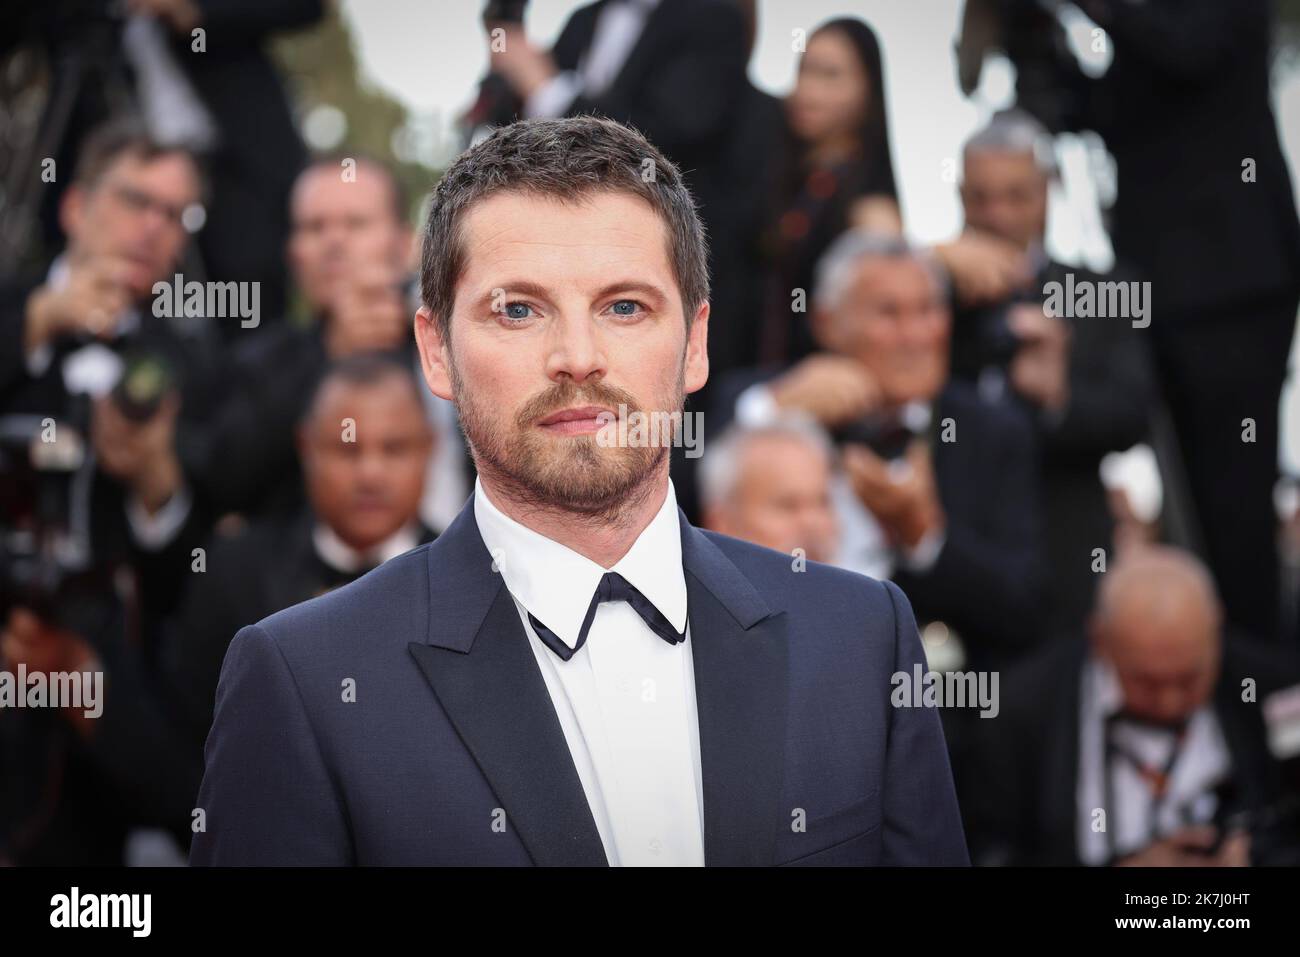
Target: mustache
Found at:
566, 394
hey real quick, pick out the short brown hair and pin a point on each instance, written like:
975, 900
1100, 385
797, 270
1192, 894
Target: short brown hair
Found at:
124, 135
563, 159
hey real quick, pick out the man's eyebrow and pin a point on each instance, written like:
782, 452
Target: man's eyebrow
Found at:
527, 287
520, 287
648, 289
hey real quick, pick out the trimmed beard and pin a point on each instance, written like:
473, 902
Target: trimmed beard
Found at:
573, 474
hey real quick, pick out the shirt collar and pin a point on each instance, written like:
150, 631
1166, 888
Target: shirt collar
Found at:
341, 556
556, 584
1107, 693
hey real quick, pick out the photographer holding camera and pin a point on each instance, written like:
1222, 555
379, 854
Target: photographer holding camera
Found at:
939, 488
85, 349
96, 542
1085, 381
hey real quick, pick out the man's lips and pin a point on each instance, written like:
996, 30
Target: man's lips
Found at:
579, 420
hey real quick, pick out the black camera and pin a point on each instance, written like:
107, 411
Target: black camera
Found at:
145, 381
887, 436
45, 547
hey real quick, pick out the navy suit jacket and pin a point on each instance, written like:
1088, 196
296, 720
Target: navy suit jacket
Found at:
451, 752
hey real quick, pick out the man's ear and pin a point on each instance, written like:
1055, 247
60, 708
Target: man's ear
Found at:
697, 350
433, 354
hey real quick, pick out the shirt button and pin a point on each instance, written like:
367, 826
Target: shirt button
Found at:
656, 846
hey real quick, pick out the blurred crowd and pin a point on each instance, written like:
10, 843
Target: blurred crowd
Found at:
174, 465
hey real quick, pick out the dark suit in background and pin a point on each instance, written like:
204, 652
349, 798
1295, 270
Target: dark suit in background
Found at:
1183, 107
1111, 392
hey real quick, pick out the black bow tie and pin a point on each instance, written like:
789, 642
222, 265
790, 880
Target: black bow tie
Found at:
612, 587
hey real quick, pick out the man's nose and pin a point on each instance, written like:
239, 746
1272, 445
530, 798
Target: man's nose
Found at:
370, 467
576, 350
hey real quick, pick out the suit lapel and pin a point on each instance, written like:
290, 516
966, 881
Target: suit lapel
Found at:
739, 652
478, 662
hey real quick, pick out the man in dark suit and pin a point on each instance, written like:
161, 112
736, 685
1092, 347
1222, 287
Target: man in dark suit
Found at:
1085, 381
1205, 209
86, 347
940, 490
1146, 745
571, 673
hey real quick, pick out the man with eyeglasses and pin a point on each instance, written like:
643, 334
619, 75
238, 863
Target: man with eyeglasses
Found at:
82, 353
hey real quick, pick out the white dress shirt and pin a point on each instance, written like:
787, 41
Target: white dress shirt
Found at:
342, 557
626, 699
1201, 765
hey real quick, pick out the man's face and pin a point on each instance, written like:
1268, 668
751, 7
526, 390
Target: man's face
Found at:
1166, 664
1005, 195
341, 226
892, 320
367, 489
783, 499
563, 309
133, 213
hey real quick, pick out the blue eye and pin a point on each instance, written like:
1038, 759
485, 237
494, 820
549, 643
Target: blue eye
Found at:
631, 307
517, 310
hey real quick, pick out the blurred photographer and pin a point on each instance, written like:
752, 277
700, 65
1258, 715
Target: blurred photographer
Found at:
1177, 756
349, 249
1085, 380
102, 406
84, 350
939, 488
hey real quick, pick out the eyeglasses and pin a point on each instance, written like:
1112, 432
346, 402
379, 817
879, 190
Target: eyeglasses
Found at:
139, 201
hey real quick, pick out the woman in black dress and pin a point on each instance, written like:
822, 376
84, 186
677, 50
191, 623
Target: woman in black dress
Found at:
836, 174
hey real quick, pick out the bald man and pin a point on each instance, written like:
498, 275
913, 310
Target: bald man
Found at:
1144, 744
772, 486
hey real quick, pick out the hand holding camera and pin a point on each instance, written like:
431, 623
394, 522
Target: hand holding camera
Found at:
832, 389
91, 303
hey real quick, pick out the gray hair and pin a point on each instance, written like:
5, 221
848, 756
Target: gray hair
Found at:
720, 470
854, 247
1015, 131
